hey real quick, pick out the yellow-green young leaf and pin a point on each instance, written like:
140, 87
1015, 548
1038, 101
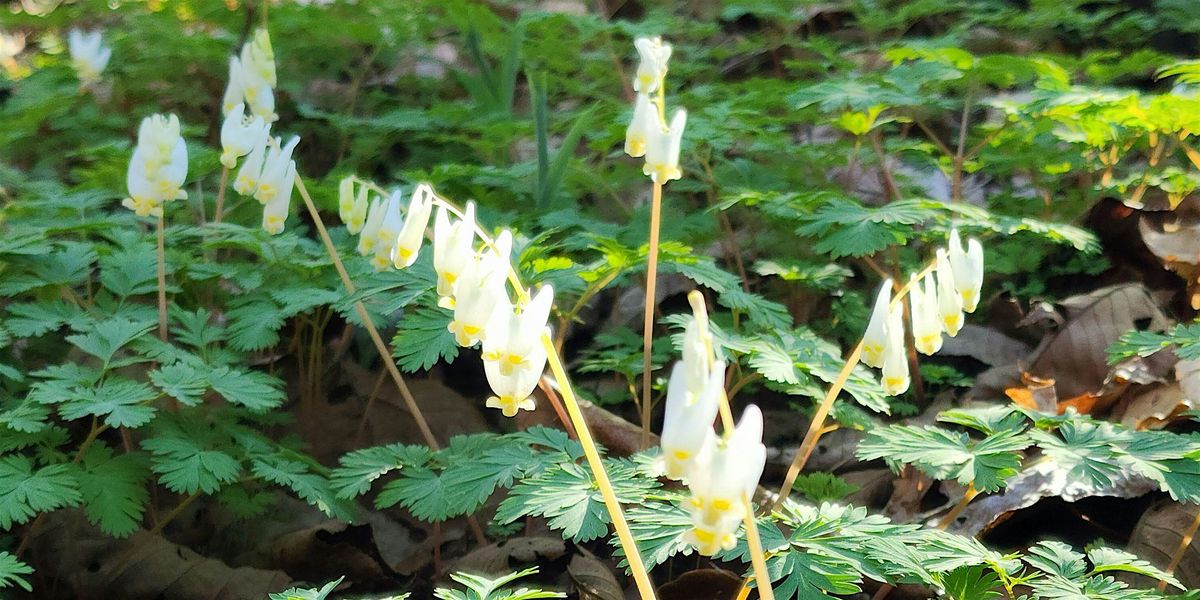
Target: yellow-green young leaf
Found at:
945, 454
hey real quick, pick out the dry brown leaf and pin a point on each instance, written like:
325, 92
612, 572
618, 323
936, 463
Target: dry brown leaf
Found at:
1157, 536
593, 579
91, 565
1043, 480
1175, 240
702, 584
1035, 393
567, 566
1075, 357
1155, 408
323, 552
985, 344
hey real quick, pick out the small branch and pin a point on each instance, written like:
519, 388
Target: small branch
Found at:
220, 209
890, 189
1183, 546
174, 513
648, 312
552, 396
958, 508
934, 138
162, 280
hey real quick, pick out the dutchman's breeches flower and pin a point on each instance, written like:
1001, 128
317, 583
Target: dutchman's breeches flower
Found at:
923, 306
662, 150
895, 359
389, 229
369, 233
88, 53
452, 248
513, 392
412, 233
240, 135
689, 417
875, 338
644, 125
479, 291
158, 166
968, 269
275, 211
722, 479
653, 56
246, 180
950, 304
275, 171
513, 338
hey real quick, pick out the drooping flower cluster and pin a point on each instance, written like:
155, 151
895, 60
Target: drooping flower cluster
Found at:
252, 78
88, 53
721, 473
158, 166
268, 173
936, 303
648, 133
471, 282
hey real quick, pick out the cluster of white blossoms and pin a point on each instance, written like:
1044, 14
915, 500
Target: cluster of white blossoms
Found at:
936, 303
158, 166
252, 77
472, 282
721, 473
268, 173
88, 53
648, 133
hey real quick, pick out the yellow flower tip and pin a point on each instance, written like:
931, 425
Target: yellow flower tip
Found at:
265, 193
446, 302
380, 263
404, 257
510, 406
273, 225
929, 344
635, 146
228, 160
895, 385
952, 324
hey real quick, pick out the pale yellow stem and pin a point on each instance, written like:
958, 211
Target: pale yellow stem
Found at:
380, 346
220, 209
648, 316
757, 557
633, 557
162, 279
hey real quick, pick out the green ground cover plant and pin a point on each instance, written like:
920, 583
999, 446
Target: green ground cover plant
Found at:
444, 299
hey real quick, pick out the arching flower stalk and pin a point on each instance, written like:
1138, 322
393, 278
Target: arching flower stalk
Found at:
936, 305
517, 343
648, 135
